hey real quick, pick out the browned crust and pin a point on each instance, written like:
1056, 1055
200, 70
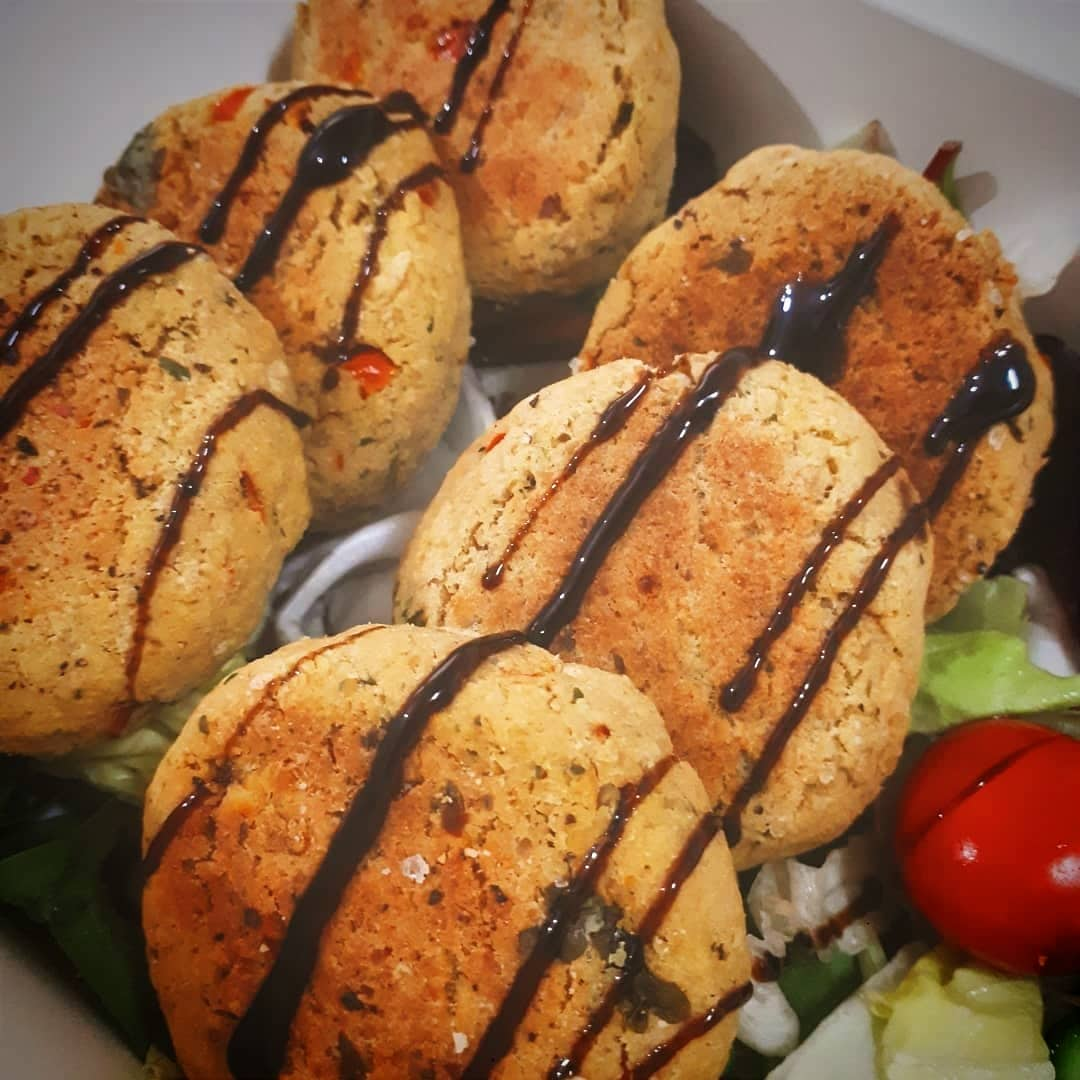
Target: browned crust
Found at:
91, 470
943, 293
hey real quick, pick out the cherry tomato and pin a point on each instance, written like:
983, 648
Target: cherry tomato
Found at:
988, 833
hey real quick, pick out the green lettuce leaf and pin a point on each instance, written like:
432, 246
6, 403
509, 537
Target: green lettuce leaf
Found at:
68, 866
975, 663
953, 1020
125, 765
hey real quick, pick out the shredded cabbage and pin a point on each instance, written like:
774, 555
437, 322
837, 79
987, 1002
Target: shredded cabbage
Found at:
788, 898
124, 766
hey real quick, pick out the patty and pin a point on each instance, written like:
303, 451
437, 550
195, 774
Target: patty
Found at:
404, 851
330, 211
676, 526
555, 120
897, 341
153, 473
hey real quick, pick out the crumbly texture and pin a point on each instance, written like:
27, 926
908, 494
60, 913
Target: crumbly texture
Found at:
367, 438
696, 576
707, 279
579, 151
91, 470
508, 788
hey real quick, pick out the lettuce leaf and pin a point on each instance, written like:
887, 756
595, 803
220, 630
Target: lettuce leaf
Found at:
975, 663
124, 766
68, 863
953, 1020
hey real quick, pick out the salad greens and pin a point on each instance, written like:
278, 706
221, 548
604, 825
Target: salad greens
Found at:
976, 664
952, 1020
124, 766
69, 864
941, 171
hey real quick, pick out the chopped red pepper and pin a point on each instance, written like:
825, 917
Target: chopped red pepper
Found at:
944, 156
225, 108
452, 41
251, 495
31, 476
494, 440
351, 68
371, 368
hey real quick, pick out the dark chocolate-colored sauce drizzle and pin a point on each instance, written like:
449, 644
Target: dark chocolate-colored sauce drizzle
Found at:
999, 387
498, 1038
693, 415
809, 318
999, 767
173, 823
694, 1029
341, 348
186, 490
213, 224
742, 684
109, 294
977, 406
471, 158
257, 1047
477, 48
612, 420
684, 864
201, 789
95, 245
339, 145
867, 902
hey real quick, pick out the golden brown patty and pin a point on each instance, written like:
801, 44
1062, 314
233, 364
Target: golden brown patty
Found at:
708, 279
679, 599
133, 422
367, 289
509, 785
573, 111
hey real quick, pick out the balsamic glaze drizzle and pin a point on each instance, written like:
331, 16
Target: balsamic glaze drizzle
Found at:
476, 49
171, 826
186, 490
498, 1038
736, 692
471, 158
809, 318
339, 145
109, 294
1000, 387
694, 1029
693, 415
682, 866
94, 246
341, 349
201, 787
977, 406
992, 772
258, 1044
213, 224
612, 420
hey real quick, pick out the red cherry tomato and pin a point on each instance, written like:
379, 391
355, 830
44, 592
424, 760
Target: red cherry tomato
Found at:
988, 833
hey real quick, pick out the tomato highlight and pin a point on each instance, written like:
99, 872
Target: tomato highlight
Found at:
988, 833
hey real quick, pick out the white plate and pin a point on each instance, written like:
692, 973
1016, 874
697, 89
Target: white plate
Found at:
78, 78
